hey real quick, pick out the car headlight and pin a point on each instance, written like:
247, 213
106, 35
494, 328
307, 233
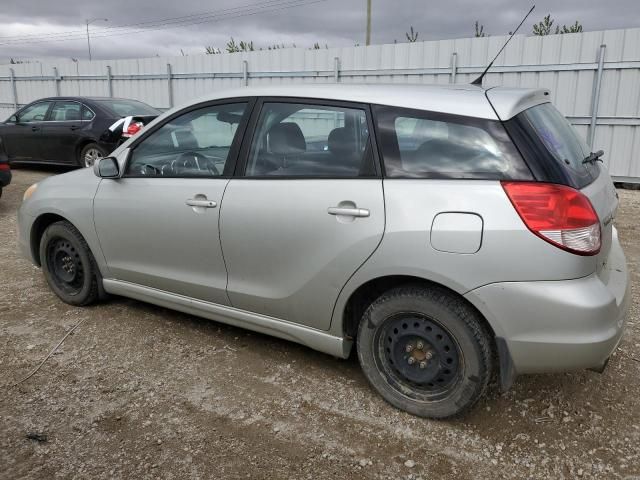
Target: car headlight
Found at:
29, 191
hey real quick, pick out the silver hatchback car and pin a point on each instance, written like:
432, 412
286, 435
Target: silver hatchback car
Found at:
450, 233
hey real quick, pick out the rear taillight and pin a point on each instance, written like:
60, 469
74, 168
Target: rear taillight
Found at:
4, 166
558, 214
132, 129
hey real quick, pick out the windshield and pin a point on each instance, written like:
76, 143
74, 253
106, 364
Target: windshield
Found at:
125, 108
562, 141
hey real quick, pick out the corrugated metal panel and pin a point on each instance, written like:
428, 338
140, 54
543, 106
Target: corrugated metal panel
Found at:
565, 64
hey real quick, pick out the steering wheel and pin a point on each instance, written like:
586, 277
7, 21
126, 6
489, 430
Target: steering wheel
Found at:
196, 161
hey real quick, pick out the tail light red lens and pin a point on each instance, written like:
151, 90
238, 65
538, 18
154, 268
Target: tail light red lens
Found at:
132, 129
561, 215
4, 166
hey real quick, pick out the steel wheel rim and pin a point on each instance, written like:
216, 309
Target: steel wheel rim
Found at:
90, 156
426, 372
65, 265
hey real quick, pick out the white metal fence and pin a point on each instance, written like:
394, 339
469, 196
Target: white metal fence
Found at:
594, 77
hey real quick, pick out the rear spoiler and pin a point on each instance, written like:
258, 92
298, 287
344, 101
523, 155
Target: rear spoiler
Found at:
508, 102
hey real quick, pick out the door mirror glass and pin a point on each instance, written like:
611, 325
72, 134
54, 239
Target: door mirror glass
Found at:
107, 168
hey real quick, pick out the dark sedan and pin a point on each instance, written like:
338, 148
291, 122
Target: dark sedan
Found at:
71, 130
5, 171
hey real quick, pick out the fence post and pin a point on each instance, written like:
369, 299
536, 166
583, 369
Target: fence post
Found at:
56, 81
14, 91
169, 86
336, 69
245, 73
109, 80
454, 67
595, 96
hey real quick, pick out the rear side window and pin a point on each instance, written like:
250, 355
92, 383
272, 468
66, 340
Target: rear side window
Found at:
419, 144
299, 140
558, 144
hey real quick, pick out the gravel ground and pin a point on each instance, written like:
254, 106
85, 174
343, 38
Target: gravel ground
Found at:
138, 391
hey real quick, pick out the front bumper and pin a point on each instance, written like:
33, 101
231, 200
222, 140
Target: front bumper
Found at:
563, 325
25, 223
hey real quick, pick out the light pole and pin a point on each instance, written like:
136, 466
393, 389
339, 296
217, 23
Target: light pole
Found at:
368, 39
89, 22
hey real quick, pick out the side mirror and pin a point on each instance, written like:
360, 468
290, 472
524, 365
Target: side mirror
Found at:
107, 167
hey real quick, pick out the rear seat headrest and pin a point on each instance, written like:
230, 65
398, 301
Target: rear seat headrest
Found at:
341, 141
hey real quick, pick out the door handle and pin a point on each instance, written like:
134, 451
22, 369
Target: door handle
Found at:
35, 129
348, 212
74, 127
192, 202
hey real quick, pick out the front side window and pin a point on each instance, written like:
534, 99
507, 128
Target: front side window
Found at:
195, 144
34, 113
293, 139
65, 111
419, 144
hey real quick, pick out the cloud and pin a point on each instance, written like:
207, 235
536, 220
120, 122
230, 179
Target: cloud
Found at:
332, 22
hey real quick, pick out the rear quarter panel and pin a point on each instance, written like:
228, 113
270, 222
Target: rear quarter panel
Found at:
509, 252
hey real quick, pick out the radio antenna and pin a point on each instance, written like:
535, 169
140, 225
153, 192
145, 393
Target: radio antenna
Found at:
478, 81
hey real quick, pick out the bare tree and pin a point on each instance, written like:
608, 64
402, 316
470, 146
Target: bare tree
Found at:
412, 36
480, 30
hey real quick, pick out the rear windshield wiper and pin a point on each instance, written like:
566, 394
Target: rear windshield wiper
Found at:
594, 157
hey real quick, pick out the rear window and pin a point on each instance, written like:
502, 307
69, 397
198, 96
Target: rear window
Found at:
419, 144
125, 108
561, 143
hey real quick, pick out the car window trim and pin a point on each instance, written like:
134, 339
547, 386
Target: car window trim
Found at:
243, 159
63, 121
234, 151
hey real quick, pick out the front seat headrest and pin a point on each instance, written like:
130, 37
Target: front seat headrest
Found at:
341, 141
286, 139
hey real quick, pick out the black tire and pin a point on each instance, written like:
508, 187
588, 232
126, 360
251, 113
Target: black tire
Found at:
68, 265
451, 368
87, 150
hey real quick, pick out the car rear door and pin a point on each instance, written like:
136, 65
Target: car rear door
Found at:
305, 210
61, 132
158, 224
21, 137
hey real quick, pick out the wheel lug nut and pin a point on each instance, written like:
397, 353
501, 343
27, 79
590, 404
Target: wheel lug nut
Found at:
423, 364
428, 355
409, 348
420, 345
411, 360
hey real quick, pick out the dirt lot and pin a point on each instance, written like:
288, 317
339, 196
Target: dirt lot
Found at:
138, 391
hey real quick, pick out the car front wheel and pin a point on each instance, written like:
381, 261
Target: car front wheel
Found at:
68, 265
425, 350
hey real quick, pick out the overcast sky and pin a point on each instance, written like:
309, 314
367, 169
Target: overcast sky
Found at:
265, 22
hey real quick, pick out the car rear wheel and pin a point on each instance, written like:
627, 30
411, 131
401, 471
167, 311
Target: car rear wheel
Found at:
68, 265
425, 351
90, 154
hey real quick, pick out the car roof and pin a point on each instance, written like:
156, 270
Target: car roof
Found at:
90, 99
458, 99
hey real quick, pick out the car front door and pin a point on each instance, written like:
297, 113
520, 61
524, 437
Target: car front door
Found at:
21, 133
306, 211
158, 224
61, 132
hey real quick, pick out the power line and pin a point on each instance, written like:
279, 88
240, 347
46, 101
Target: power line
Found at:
140, 24
174, 22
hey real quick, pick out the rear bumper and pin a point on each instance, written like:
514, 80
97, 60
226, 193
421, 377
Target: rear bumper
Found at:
559, 325
5, 178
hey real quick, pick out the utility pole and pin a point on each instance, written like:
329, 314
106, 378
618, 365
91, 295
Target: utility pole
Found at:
368, 40
88, 22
